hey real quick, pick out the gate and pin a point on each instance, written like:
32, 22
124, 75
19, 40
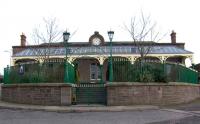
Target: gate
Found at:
89, 93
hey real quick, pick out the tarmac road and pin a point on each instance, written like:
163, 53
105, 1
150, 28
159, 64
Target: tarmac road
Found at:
187, 120
177, 114
10, 116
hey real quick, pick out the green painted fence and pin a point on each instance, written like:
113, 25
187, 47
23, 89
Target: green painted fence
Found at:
124, 71
90, 93
72, 73
48, 72
180, 73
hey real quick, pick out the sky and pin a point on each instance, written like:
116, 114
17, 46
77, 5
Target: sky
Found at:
87, 16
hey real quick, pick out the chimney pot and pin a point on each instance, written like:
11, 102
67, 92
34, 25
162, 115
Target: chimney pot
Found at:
96, 32
23, 39
173, 37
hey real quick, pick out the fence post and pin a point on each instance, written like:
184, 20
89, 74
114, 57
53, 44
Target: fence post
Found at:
77, 75
179, 71
66, 72
6, 75
101, 73
164, 72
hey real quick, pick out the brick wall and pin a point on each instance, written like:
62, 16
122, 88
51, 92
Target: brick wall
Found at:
151, 94
117, 93
41, 94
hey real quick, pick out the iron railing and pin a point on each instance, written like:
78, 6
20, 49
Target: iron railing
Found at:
124, 71
48, 72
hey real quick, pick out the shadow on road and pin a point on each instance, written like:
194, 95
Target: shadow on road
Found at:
187, 120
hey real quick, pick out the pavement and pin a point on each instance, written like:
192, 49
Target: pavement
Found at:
77, 108
11, 113
192, 108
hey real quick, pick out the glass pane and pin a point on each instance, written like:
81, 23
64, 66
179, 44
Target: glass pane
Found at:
92, 71
98, 72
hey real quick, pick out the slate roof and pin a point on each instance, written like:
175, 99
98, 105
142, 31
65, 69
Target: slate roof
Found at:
93, 50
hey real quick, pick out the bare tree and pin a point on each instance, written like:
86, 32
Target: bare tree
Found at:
144, 34
45, 35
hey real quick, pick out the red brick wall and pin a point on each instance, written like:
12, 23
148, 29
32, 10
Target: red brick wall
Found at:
151, 94
41, 94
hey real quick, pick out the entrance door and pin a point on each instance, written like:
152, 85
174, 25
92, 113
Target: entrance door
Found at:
89, 89
88, 70
95, 73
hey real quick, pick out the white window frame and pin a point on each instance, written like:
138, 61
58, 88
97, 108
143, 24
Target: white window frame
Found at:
96, 71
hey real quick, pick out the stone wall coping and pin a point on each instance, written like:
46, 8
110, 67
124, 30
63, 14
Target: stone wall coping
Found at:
149, 84
38, 84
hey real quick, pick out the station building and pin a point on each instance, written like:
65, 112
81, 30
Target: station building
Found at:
92, 57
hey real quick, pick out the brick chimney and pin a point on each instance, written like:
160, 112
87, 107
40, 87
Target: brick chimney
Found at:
23, 39
173, 37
